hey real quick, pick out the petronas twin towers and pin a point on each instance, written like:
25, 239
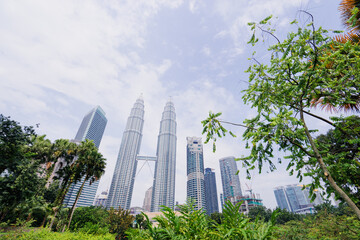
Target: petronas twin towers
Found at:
122, 184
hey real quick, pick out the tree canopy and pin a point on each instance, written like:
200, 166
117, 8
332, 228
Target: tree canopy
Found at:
306, 64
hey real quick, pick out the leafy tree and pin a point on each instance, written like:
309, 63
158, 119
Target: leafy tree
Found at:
89, 215
69, 173
260, 212
92, 164
140, 221
341, 146
119, 222
322, 225
282, 92
21, 185
13, 137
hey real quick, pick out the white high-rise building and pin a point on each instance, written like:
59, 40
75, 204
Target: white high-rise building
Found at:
230, 180
122, 183
195, 172
163, 192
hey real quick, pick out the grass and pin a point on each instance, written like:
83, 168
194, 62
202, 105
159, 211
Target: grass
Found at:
43, 233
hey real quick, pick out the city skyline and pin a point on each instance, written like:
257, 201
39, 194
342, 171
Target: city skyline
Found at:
60, 59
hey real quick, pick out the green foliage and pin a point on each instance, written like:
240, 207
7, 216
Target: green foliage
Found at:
85, 216
13, 137
308, 65
194, 224
91, 164
140, 221
46, 234
341, 150
119, 221
322, 225
217, 217
260, 212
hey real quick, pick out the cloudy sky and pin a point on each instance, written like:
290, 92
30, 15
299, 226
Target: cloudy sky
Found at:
59, 59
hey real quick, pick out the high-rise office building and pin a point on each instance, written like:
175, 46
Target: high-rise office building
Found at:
294, 199
92, 127
147, 200
211, 198
122, 183
195, 172
163, 192
230, 180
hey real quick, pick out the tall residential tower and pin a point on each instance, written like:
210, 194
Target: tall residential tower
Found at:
210, 192
230, 181
122, 183
195, 172
163, 192
92, 127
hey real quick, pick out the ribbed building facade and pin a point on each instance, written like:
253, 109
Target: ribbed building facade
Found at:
195, 172
92, 127
122, 183
210, 192
230, 180
163, 192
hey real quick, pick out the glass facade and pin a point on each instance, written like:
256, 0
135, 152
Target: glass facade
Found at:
210, 192
230, 180
163, 192
195, 172
295, 199
92, 127
122, 183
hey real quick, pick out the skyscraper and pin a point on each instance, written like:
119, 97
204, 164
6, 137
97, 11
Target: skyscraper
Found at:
122, 183
195, 172
163, 192
92, 127
230, 181
210, 192
294, 199
147, 200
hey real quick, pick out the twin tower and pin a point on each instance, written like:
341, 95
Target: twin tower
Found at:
122, 183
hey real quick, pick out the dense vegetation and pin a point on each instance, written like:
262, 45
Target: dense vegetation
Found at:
306, 70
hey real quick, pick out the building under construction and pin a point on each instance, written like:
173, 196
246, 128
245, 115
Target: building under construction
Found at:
248, 202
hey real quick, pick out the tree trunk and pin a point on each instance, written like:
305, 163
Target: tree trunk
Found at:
60, 203
71, 213
327, 174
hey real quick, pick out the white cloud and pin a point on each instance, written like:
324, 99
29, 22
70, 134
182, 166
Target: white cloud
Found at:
206, 50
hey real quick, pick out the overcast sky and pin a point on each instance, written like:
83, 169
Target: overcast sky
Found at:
59, 59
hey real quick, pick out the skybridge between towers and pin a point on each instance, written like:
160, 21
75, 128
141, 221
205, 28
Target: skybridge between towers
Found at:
146, 160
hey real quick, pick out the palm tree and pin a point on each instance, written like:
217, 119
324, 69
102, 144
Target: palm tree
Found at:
346, 9
68, 173
92, 164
